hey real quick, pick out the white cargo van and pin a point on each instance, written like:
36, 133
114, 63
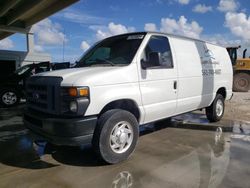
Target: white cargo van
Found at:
125, 81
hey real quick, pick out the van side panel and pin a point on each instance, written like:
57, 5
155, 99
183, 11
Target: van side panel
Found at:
225, 78
203, 68
190, 81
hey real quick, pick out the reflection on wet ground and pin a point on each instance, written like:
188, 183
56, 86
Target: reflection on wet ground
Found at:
185, 152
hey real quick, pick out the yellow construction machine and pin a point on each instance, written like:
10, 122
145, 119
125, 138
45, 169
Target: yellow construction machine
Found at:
241, 67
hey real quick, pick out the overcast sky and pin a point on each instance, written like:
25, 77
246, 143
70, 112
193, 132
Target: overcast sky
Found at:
226, 22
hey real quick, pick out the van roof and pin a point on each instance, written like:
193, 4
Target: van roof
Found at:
168, 34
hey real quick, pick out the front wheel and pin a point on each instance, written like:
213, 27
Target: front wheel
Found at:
9, 97
116, 135
216, 110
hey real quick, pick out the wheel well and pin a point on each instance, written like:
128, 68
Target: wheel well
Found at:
124, 104
222, 91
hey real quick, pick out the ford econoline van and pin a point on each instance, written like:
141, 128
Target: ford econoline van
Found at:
123, 82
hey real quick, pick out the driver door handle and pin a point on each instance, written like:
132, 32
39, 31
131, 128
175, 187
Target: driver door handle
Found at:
175, 85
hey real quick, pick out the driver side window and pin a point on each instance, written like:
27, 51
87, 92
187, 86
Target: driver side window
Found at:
159, 44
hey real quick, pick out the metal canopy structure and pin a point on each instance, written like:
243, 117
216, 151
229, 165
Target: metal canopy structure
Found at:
17, 16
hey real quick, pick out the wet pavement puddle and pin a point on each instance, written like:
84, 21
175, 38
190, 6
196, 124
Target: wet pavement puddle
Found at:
185, 152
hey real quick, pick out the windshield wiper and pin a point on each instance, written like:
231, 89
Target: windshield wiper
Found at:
96, 62
106, 61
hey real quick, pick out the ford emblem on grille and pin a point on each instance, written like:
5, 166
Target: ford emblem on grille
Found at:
36, 96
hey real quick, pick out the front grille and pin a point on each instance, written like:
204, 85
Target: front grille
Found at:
37, 95
43, 94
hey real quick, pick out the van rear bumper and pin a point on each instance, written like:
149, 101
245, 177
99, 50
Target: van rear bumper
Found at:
60, 131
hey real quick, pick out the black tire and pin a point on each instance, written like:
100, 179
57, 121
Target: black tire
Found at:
241, 82
101, 140
212, 113
15, 97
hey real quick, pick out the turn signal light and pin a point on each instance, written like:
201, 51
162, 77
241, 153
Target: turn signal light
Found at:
73, 92
83, 92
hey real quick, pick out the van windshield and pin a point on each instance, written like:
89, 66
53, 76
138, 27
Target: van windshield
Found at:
114, 51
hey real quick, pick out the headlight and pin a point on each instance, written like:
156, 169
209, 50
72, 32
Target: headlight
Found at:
73, 106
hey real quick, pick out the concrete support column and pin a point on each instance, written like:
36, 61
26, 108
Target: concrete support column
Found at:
30, 42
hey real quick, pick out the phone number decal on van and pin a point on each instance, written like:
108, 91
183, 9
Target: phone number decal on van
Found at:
209, 72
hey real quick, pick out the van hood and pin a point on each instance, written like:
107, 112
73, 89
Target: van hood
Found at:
94, 76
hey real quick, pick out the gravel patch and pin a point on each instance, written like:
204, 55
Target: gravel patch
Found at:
238, 108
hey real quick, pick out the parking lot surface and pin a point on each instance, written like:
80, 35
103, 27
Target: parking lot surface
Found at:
187, 152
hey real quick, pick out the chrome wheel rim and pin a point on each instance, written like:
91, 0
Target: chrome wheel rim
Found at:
9, 98
121, 137
219, 108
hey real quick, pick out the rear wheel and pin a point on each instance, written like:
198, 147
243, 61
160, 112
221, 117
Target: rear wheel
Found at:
116, 135
216, 110
241, 82
9, 97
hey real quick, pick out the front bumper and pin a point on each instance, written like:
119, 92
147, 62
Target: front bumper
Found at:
59, 130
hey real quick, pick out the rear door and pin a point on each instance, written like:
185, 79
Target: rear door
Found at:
158, 83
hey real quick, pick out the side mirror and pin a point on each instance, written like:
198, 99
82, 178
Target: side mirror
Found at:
155, 59
144, 64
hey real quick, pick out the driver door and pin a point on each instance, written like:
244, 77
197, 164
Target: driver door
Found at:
158, 81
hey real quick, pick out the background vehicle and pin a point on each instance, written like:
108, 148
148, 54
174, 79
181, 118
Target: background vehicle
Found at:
241, 68
60, 65
12, 86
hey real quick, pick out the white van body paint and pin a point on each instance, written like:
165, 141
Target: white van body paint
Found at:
199, 70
